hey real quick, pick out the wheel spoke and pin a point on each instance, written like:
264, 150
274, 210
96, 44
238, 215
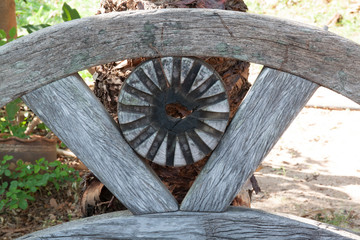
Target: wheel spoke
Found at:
270, 106
199, 91
160, 136
73, 113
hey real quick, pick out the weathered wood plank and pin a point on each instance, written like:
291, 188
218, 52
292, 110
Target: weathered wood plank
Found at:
146, 124
271, 104
70, 109
55, 52
237, 223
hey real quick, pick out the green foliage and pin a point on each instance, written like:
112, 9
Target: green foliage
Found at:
49, 12
2, 34
86, 76
12, 108
33, 28
62, 146
27, 179
69, 13
9, 126
340, 218
280, 171
12, 34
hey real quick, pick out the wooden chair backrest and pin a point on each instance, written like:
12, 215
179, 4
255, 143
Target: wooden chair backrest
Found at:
39, 68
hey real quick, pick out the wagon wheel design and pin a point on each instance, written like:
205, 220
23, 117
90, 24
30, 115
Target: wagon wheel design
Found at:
71, 110
187, 88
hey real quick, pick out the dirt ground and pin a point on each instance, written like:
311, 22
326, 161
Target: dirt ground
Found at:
314, 170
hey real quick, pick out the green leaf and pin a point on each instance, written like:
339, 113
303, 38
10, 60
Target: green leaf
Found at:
62, 145
40, 161
63, 174
33, 28
2, 34
36, 168
20, 164
12, 108
23, 204
31, 198
8, 158
14, 206
69, 13
22, 174
13, 186
12, 32
57, 186
54, 164
7, 173
4, 185
18, 131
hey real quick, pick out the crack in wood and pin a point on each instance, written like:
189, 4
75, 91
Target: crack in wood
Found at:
224, 24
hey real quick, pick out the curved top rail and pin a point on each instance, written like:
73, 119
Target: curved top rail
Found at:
58, 51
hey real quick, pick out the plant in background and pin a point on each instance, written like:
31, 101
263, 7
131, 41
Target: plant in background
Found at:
69, 13
26, 179
19, 183
12, 34
11, 123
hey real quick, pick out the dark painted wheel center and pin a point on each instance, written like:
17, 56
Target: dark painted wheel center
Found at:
173, 111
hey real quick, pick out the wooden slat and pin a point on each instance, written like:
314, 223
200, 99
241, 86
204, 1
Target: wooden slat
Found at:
237, 223
308, 52
74, 114
268, 109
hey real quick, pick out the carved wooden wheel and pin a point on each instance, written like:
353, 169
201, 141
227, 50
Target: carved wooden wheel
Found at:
305, 57
173, 111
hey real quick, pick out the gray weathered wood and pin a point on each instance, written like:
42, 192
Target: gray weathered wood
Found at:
55, 52
162, 138
74, 114
271, 104
237, 223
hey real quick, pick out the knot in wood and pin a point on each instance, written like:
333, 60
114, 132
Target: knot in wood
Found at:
173, 110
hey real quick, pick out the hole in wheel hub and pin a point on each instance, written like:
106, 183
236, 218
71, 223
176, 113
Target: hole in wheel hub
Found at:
177, 110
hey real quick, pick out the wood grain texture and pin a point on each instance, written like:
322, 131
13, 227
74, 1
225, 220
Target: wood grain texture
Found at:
173, 110
70, 109
237, 223
270, 106
58, 51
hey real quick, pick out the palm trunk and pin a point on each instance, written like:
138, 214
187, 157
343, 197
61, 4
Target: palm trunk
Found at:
7, 15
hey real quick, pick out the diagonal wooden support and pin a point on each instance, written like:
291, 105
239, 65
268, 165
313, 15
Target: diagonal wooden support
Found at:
268, 109
74, 114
